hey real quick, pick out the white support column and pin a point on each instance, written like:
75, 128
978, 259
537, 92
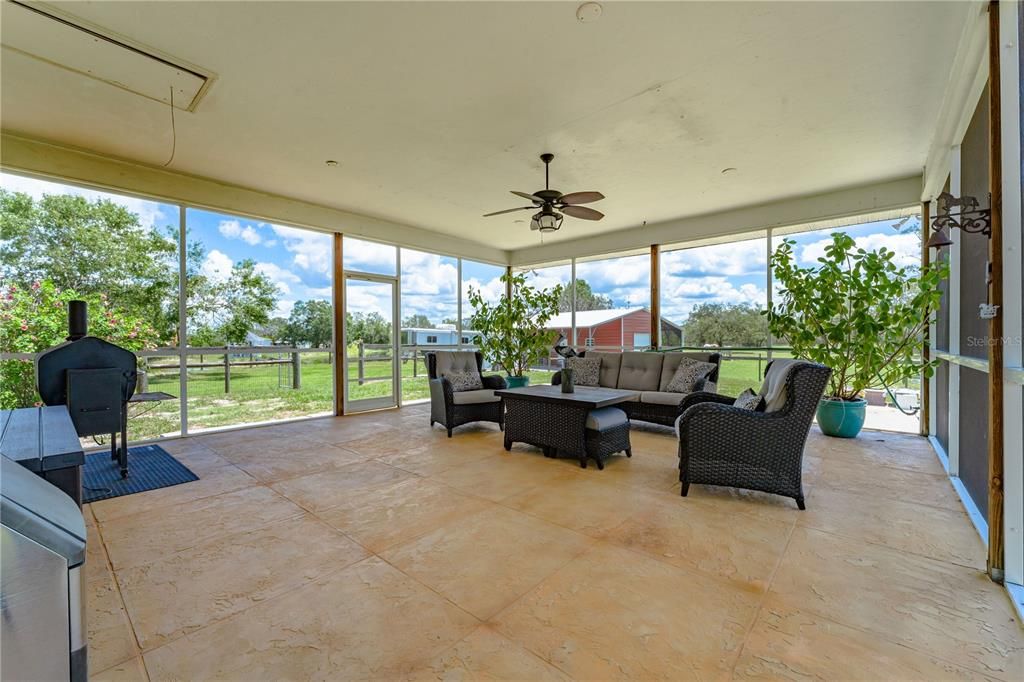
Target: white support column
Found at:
768, 286
182, 323
572, 314
953, 449
458, 307
1013, 325
396, 317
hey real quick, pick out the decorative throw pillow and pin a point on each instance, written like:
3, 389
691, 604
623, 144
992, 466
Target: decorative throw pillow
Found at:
709, 386
689, 375
588, 370
749, 400
464, 381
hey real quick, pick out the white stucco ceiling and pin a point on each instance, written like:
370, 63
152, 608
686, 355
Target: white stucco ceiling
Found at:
435, 110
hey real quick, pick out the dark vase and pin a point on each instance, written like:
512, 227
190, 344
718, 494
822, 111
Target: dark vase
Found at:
568, 380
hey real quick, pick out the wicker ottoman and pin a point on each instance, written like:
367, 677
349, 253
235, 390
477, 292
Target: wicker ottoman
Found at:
607, 432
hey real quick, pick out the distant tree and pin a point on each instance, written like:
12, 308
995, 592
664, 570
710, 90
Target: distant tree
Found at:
419, 321
586, 299
310, 324
367, 327
274, 330
724, 324
228, 309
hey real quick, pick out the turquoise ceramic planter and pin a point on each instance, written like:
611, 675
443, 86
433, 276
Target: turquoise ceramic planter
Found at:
517, 382
841, 418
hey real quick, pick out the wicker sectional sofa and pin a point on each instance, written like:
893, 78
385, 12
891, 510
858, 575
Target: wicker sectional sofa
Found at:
648, 374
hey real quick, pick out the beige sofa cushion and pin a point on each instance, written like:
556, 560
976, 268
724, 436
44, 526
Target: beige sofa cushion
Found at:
609, 374
640, 371
671, 364
661, 397
449, 361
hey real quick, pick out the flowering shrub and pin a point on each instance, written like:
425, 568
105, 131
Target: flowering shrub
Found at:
34, 318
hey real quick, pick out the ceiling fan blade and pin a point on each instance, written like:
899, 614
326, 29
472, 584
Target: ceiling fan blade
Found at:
525, 195
580, 198
510, 210
582, 212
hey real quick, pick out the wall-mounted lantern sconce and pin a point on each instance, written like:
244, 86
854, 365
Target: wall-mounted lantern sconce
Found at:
969, 218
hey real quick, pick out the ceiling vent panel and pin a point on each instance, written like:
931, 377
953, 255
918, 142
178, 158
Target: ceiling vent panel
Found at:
70, 43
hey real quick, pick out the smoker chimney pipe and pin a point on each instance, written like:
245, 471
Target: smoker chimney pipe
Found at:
78, 320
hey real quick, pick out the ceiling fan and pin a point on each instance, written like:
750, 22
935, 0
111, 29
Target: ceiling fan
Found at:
553, 203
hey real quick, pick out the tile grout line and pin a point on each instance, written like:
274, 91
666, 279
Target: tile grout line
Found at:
238, 614
120, 597
304, 512
174, 504
875, 543
761, 603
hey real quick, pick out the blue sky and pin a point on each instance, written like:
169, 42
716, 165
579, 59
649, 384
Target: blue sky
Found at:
299, 262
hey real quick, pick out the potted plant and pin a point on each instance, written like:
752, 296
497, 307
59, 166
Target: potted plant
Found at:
859, 313
512, 330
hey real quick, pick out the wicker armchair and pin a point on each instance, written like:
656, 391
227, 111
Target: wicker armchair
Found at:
720, 444
451, 409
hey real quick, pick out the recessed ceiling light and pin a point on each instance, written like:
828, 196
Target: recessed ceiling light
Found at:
588, 12
726, 171
331, 162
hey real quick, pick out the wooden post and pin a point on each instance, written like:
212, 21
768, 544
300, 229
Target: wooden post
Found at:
296, 371
926, 348
339, 328
415, 355
655, 297
362, 361
995, 297
227, 371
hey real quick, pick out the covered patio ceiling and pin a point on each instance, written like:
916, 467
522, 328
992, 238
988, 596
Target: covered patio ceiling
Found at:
434, 111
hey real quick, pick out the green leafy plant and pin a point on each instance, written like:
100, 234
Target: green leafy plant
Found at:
856, 312
35, 317
513, 333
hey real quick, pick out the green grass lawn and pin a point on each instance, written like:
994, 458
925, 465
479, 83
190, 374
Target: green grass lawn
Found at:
264, 393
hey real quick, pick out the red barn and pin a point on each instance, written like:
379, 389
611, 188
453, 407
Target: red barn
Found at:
613, 329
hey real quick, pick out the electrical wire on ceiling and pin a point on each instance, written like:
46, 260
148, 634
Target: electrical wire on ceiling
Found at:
174, 133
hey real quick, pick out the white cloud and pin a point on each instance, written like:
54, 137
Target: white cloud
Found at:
281, 277
310, 250
733, 259
681, 294
320, 292
232, 229
365, 299
283, 309
491, 290
907, 248
216, 266
151, 214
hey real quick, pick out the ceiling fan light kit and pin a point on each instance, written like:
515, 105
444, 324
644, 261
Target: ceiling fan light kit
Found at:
553, 204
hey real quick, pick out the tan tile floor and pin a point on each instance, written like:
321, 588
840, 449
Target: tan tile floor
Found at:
374, 547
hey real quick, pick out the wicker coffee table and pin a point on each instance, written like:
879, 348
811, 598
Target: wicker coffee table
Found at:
556, 422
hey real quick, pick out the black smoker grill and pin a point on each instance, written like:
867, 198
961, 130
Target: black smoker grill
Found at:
94, 378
